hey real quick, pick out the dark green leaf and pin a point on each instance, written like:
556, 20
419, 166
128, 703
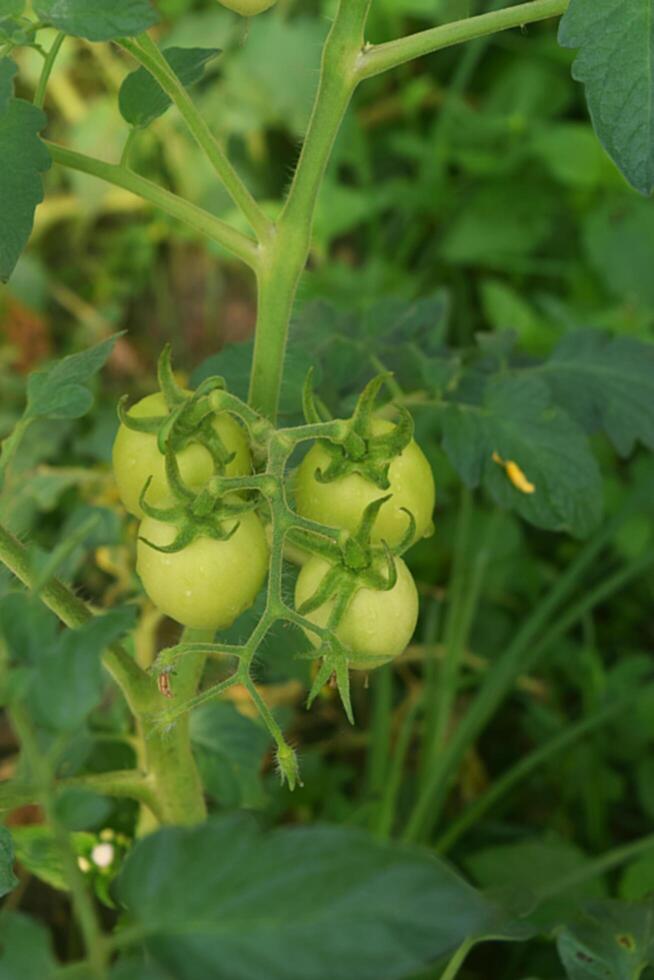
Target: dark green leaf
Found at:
24, 949
98, 20
141, 98
79, 808
518, 423
616, 64
67, 681
612, 941
229, 749
8, 880
60, 391
605, 382
23, 159
325, 903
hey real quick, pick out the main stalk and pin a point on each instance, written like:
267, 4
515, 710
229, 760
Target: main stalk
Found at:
284, 256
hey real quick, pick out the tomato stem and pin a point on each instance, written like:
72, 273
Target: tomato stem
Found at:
284, 256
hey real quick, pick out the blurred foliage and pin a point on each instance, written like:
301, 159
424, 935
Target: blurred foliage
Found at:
469, 184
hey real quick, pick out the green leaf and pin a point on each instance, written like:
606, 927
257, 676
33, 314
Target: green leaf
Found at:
8, 70
531, 865
24, 949
38, 852
60, 391
11, 8
141, 98
616, 64
517, 421
612, 941
8, 879
229, 749
23, 159
234, 362
607, 382
618, 238
321, 903
67, 682
98, 20
79, 808
61, 672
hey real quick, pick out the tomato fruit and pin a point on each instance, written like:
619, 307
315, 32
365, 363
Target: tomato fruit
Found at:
209, 583
377, 626
136, 457
341, 502
248, 8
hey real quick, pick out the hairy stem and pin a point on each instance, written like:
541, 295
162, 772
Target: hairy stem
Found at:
146, 52
284, 258
383, 57
48, 65
199, 219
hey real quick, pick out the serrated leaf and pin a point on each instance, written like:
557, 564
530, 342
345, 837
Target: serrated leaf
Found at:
616, 64
23, 160
227, 901
142, 100
60, 391
8, 69
605, 382
517, 423
612, 940
8, 879
98, 20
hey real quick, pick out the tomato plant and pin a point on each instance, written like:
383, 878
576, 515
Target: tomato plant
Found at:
448, 282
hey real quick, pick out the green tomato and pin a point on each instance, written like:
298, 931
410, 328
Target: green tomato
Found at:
208, 584
248, 8
341, 502
377, 626
136, 457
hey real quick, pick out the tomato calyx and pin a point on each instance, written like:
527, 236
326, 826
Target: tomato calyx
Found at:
189, 420
354, 563
361, 450
207, 514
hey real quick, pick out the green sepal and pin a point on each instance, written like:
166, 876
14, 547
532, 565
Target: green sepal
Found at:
328, 587
166, 514
182, 540
373, 579
362, 451
149, 425
171, 391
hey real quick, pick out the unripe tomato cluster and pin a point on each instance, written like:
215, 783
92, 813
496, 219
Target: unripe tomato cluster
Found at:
208, 581
377, 625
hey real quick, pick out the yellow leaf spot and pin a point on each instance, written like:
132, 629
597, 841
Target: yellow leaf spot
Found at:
518, 478
515, 474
